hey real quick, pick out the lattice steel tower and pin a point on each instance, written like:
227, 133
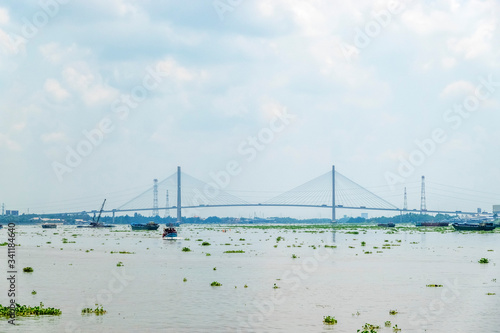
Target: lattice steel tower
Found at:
155, 198
405, 205
423, 205
167, 211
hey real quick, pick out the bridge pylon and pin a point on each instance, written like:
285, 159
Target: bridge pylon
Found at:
179, 212
333, 195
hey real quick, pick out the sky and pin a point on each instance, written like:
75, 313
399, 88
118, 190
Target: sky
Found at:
98, 98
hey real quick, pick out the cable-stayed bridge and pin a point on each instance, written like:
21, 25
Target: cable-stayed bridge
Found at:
331, 191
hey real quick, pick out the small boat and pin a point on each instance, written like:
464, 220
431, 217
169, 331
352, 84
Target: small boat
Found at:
390, 225
144, 226
169, 233
474, 226
49, 225
432, 224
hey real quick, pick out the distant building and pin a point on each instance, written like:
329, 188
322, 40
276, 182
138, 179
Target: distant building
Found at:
12, 212
496, 209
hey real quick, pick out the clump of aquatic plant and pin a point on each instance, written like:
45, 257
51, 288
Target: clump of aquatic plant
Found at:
368, 328
215, 268
205, 243
121, 252
434, 285
393, 312
363, 243
275, 286
245, 286
387, 323
490, 294
242, 239
294, 256
186, 249
28, 269
396, 329
216, 284
24, 310
199, 240
328, 320
234, 251
3, 244
119, 264
33, 292
98, 311
483, 261
208, 254
331, 246
279, 239
184, 280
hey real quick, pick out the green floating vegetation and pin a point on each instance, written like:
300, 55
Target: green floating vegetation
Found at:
275, 286
294, 256
331, 246
490, 294
328, 320
434, 285
216, 284
3, 244
24, 310
184, 280
245, 286
242, 239
396, 329
387, 323
186, 249
393, 312
369, 328
205, 243
121, 252
208, 254
279, 239
352, 232
483, 261
119, 264
33, 292
215, 268
234, 251
363, 243
28, 269
98, 311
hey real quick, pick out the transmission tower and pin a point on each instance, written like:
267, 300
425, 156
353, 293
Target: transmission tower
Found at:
405, 205
155, 198
423, 206
167, 211
3, 208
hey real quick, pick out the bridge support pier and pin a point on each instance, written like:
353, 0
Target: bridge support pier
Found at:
114, 210
333, 195
179, 212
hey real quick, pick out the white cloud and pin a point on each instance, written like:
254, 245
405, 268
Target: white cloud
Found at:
170, 68
53, 137
457, 89
4, 16
90, 86
53, 87
477, 44
7, 142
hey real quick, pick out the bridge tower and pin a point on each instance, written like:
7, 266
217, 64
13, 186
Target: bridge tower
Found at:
155, 198
423, 205
179, 213
333, 194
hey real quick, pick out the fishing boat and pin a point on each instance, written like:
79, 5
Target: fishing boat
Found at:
49, 225
474, 225
170, 233
432, 224
389, 225
145, 226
